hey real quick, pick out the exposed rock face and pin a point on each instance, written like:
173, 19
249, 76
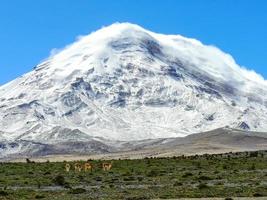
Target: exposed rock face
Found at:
244, 126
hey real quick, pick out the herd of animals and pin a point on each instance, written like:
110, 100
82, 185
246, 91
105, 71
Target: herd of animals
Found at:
78, 167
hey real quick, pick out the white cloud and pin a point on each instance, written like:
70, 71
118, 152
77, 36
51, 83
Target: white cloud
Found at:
206, 57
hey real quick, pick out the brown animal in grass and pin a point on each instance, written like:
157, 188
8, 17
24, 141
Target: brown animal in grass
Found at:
88, 167
67, 167
78, 167
106, 166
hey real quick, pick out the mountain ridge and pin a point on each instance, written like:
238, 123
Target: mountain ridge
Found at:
223, 140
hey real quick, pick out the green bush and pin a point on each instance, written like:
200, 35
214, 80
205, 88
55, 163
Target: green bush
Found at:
254, 154
204, 178
98, 178
3, 193
59, 180
252, 167
187, 174
129, 178
177, 183
153, 173
39, 196
257, 195
77, 191
137, 198
202, 186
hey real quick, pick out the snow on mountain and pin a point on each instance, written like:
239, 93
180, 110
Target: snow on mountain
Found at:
126, 83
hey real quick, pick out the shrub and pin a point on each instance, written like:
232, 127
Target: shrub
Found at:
202, 186
47, 173
153, 173
114, 180
140, 178
252, 167
126, 174
77, 191
219, 183
204, 178
137, 198
187, 174
129, 178
253, 154
177, 183
39, 196
59, 180
257, 195
3, 193
81, 178
98, 178
38, 184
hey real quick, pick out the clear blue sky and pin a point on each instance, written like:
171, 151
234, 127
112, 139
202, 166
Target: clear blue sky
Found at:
29, 29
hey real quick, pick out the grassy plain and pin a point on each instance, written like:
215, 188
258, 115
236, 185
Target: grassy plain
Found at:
223, 175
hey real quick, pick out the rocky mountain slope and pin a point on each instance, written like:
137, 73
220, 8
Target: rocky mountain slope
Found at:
125, 83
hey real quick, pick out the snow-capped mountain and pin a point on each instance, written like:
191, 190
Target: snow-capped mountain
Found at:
125, 83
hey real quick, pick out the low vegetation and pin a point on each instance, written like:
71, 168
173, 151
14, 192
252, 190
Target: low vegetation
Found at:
225, 175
